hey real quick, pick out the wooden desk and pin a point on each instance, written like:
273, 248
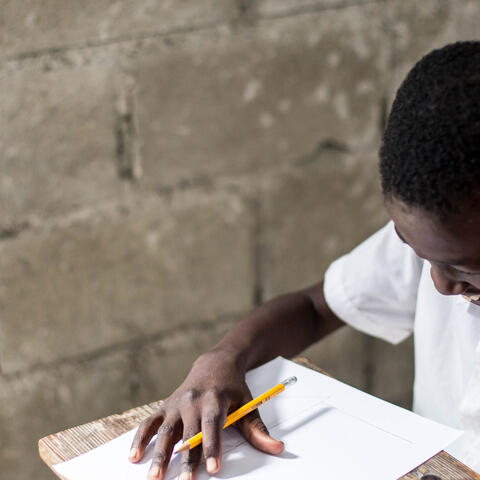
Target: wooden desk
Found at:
70, 443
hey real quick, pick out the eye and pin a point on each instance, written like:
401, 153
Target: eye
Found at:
450, 269
457, 271
467, 273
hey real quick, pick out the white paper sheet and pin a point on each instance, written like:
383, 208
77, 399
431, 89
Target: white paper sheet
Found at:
330, 431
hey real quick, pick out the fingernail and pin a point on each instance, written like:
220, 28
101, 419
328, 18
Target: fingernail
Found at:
154, 472
133, 454
185, 476
212, 465
281, 446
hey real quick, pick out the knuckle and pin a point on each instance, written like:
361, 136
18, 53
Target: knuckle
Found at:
166, 429
250, 424
213, 392
159, 458
145, 424
191, 395
209, 450
189, 433
188, 463
211, 417
216, 396
257, 423
144, 430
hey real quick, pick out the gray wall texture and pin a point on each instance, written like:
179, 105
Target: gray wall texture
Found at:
165, 167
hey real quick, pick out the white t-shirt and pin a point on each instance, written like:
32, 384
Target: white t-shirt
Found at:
384, 289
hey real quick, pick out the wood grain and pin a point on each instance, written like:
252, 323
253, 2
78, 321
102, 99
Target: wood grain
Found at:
70, 443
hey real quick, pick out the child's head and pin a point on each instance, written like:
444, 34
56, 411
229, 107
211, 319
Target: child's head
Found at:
430, 165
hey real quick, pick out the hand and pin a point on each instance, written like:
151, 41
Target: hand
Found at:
214, 387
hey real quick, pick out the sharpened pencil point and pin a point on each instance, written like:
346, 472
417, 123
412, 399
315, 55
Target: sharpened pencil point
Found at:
182, 448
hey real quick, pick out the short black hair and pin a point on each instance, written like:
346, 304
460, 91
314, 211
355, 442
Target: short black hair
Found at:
430, 153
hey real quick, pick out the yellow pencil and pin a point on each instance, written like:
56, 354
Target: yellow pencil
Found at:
241, 412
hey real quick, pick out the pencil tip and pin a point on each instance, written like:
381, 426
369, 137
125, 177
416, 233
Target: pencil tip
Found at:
182, 448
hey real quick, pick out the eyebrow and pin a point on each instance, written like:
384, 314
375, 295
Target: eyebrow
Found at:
461, 261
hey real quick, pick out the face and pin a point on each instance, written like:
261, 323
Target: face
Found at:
452, 247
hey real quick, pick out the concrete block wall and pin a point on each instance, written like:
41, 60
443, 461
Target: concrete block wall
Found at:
168, 166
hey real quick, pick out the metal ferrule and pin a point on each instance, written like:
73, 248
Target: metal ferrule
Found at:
289, 381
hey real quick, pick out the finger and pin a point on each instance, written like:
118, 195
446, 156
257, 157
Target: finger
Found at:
168, 435
146, 430
190, 459
213, 419
255, 431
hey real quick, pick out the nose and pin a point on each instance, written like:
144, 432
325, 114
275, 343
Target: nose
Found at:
445, 285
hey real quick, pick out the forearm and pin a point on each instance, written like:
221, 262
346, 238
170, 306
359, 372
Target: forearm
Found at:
283, 326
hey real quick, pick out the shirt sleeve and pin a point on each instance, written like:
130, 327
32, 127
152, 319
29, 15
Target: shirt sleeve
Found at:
374, 287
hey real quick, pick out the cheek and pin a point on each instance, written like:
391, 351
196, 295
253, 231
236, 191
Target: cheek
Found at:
442, 284
448, 284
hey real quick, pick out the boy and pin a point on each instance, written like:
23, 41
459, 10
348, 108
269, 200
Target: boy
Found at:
419, 274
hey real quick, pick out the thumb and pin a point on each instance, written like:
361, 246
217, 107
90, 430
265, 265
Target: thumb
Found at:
255, 431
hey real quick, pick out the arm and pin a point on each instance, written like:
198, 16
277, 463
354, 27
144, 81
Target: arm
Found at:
216, 383
283, 326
